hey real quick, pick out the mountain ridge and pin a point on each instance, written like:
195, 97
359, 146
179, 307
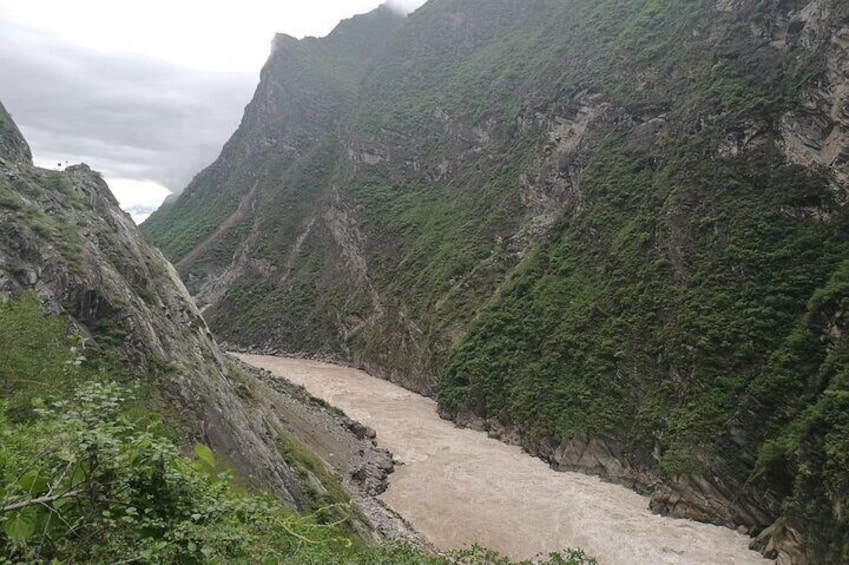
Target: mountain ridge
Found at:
65, 240
612, 234
13, 146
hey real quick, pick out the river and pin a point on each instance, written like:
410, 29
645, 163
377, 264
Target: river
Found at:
458, 487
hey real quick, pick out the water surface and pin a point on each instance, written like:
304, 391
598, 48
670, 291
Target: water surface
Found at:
459, 487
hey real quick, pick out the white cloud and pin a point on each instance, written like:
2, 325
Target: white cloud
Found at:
193, 33
126, 116
405, 6
144, 91
138, 197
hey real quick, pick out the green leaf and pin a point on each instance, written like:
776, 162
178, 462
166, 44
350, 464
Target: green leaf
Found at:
79, 475
19, 529
205, 456
62, 503
33, 483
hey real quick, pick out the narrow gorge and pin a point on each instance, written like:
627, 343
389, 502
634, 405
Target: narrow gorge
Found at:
612, 233
542, 275
459, 488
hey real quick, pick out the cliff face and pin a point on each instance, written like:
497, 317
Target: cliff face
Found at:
13, 146
614, 234
64, 238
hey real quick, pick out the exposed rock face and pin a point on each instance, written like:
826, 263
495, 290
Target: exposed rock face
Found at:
13, 146
818, 134
615, 236
64, 238
347, 447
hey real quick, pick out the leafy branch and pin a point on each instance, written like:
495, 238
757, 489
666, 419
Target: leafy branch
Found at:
40, 501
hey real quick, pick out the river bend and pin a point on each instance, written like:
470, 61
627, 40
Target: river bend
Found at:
458, 487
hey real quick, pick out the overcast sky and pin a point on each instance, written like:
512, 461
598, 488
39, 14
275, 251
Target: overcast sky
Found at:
145, 92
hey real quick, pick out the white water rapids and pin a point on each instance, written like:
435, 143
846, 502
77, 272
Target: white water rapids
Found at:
458, 487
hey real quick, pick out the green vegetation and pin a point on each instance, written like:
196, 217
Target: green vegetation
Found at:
36, 357
668, 280
88, 477
618, 304
85, 485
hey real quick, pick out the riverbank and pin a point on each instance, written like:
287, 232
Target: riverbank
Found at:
349, 450
458, 487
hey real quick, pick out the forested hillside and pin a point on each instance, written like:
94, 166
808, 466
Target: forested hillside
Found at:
613, 232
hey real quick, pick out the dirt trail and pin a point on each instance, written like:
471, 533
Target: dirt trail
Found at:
459, 487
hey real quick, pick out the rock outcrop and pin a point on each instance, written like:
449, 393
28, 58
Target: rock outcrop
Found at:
64, 238
13, 146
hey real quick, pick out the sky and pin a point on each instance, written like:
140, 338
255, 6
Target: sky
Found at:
144, 92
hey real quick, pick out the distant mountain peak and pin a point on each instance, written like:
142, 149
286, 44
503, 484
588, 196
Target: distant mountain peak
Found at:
357, 24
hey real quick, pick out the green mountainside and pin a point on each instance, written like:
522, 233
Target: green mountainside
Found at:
113, 392
615, 233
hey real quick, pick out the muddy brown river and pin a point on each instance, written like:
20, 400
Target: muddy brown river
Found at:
459, 487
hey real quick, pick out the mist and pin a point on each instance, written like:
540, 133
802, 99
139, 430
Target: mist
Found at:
405, 6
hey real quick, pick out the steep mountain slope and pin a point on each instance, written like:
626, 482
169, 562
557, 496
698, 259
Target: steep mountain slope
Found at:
613, 233
12, 144
277, 154
64, 238
108, 371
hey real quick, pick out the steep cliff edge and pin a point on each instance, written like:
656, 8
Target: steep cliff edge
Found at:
64, 238
613, 234
13, 146
277, 160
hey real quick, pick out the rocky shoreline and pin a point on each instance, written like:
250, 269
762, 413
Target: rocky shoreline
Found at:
689, 497
585, 455
350, 450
